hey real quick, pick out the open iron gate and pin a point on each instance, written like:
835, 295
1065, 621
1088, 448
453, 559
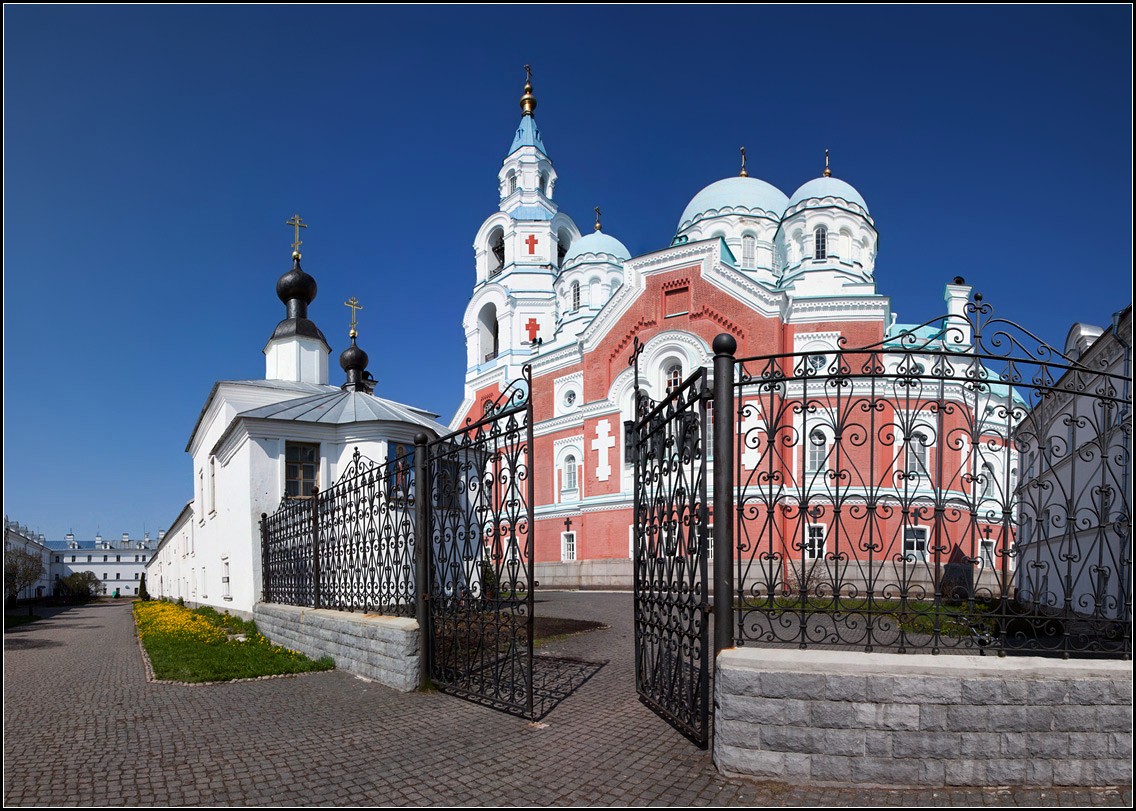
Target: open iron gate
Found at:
479, 522
672, 621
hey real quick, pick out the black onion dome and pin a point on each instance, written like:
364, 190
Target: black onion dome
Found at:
296, 284
353, 358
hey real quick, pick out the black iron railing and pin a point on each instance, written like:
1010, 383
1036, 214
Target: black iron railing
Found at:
957, 487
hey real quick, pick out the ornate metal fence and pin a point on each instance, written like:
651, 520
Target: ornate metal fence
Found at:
350, 547
481, 561
671, 543
960, 486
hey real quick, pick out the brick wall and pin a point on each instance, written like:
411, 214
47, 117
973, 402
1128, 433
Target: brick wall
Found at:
384, 649
890, 719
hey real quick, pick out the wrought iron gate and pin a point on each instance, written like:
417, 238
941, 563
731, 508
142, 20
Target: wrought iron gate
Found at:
480, 568
671, 542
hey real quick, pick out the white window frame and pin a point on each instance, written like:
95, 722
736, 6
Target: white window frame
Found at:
568, 547
916, 453
816, 454
810, 549
749, 251
570, 481
920, 537
820, 242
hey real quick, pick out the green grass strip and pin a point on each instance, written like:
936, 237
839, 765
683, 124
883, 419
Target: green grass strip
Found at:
206, 646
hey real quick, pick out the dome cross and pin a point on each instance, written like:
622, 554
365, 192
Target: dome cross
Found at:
296, 223
354, 304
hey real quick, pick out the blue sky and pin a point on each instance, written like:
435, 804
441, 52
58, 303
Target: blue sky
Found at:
153, 154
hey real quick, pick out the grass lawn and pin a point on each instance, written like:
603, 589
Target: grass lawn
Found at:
204, 645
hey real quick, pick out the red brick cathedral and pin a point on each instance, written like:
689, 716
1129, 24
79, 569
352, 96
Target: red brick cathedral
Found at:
782, 274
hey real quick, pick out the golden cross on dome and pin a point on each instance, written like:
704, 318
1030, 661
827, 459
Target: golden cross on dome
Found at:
597, 218
827, 171
528, 73
743, 172
354, 304
296, 223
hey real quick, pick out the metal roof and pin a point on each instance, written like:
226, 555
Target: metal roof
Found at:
342, 407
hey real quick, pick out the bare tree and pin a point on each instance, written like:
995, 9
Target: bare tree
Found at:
21, 570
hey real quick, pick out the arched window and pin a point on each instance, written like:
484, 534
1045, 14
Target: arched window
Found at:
542, 180
570, 482
672, 377
749, 251
916, 453
496, 252
817, 454
511, 180
821, 243
988, 489
487, 332
575, 296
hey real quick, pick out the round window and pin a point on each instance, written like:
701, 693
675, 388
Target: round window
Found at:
569, 398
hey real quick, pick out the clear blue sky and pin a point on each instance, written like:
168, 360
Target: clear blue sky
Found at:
153, 154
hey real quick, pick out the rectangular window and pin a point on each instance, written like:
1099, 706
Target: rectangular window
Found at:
914, 543
567, 545
814, 541
676, 302
988, 553
301, 469
212, 484
225, 592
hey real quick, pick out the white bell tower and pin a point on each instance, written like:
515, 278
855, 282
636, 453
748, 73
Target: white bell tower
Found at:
519, 252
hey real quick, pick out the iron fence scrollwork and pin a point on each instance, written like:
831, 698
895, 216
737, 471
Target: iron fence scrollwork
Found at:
671, 540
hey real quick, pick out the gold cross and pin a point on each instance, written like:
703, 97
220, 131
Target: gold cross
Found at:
354, 304
743, 172
597, 218
827, 171
528, 74
297, 223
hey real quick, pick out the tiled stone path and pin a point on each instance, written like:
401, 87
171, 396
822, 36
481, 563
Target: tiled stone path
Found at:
82, 726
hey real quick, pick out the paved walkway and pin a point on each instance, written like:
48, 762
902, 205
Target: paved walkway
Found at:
83, 727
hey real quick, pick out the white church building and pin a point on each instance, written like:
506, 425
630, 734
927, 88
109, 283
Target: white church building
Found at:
257, 441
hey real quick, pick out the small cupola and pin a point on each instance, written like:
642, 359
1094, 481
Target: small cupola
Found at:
353, 360
297, 350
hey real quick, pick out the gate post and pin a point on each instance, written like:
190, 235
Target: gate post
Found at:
265, 590
724, 421
421, 559
315, 549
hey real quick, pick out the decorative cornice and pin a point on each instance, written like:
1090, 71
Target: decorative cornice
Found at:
636, 328
719, 319
576, 442
727, 211
828, 202
675, 283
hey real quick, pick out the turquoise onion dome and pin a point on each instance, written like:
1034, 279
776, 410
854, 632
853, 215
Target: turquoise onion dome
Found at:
597, 242
823, 187
728, 196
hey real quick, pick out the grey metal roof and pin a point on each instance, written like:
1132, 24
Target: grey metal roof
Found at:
279, 385
342, 407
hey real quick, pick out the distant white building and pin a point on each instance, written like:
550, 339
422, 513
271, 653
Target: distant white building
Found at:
257, 441
1074, 541
118, 564
17, 536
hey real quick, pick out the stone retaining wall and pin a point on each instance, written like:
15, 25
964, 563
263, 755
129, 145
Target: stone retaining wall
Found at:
381, 648
902, 720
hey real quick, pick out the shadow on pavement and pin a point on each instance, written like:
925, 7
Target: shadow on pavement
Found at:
555, 678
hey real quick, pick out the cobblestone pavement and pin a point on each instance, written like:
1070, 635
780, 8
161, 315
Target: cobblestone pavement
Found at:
83, 727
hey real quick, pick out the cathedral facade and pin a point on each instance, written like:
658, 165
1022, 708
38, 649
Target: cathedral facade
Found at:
780, 273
